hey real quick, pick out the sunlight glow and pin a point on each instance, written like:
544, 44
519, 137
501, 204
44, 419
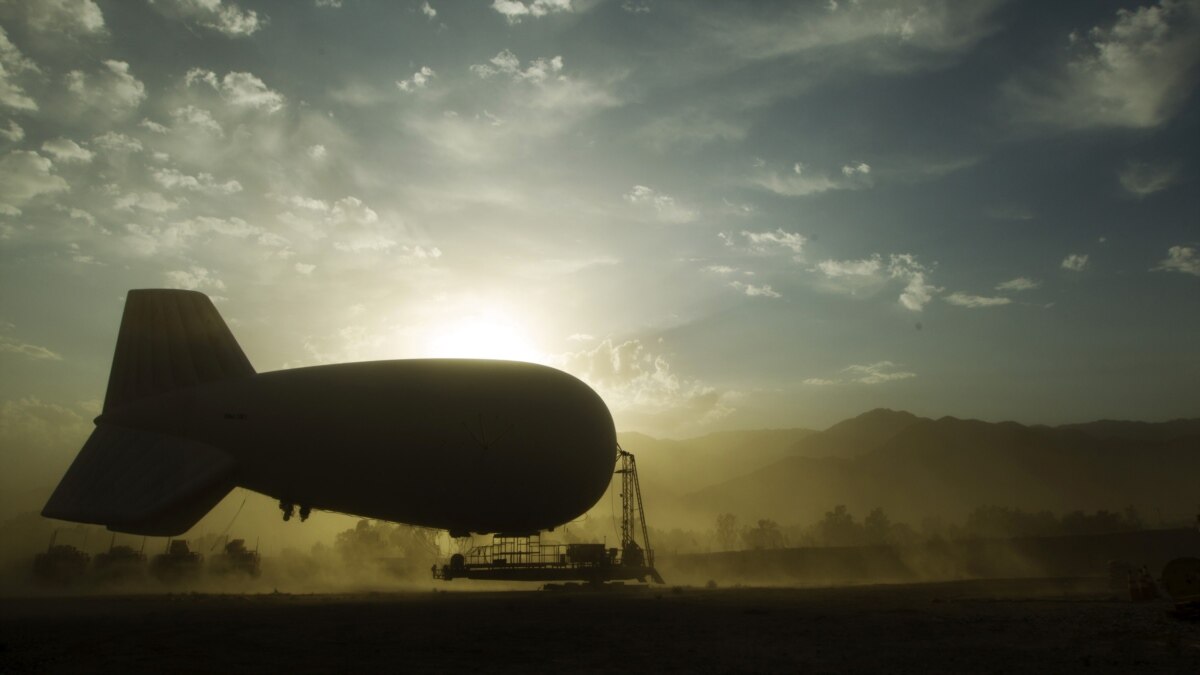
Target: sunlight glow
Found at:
492, 335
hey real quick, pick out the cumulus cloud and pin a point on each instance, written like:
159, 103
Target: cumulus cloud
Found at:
112, 141
226, 18
775, 240
641, 387
976, 301
13, 133
238, 89
918, 291
153, 202
418, 80
12, 65
515, 10
304, 268
507, 63
724, 270
764, 291
329, 4
867, 267
172, 179
316, 151
73, 17
194, 278
1134, 73
1018, 284
1141, 178
191, 117
664, 207
1183, 259
861, 168
24, 175
112, 89
428, 10
66, 150
1075, 262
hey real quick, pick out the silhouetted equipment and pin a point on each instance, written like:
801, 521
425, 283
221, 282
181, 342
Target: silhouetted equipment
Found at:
455, 444
1181, 579
178, 564
524, 557
60, 565
120, 563
237, 559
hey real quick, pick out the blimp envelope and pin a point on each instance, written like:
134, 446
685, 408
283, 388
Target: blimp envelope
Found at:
460, 444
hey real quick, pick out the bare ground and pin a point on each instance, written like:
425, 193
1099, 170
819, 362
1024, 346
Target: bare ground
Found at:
1060, 626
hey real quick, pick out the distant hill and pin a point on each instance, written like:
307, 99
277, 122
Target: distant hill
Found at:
916, 467
857, 435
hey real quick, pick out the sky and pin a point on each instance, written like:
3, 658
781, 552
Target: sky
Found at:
720, 215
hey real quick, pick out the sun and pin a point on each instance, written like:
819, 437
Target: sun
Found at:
490, 335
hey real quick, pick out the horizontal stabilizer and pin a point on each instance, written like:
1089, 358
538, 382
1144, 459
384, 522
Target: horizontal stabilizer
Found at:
169, 340
141, 482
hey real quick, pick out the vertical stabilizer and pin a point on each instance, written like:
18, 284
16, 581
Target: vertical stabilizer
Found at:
170, 340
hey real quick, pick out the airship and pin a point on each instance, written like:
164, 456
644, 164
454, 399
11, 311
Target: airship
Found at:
465, 445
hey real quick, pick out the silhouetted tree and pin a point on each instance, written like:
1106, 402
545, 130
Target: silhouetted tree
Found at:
877, 528
727, 531
838, 528
764, 535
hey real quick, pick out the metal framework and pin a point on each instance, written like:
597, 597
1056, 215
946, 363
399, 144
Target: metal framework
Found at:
527, 558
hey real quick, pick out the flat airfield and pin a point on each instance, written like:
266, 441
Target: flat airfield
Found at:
1060, 626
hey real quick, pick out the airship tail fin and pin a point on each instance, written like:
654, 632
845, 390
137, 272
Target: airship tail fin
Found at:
141, 482
169, 340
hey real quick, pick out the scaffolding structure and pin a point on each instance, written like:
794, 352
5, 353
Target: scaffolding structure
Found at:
528, 558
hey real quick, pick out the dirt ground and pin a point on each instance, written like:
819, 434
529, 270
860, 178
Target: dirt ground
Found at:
1059, 626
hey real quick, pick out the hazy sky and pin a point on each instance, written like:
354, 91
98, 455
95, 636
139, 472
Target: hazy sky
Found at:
719, 215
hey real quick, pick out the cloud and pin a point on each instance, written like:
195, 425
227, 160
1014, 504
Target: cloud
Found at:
771, 241
35, 352
641, 387
112, 90
317, 151
25, 175
428, 10
918, 291
720, 269
113, 141
329, 4
975, 301
224, 17
507, 63
418, 80
515, 10
664, 206
194, 278
867, 267
800, 181
74, 17
239, 89
1075, 262
871, 373
173, 179
876, 373
13, 133
1018, 284
196, 118
1133, 73
304, 268
855, 275
764, 291
12, 65
1183, 259
65, 150
1142, 179
153, 202
861, 168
